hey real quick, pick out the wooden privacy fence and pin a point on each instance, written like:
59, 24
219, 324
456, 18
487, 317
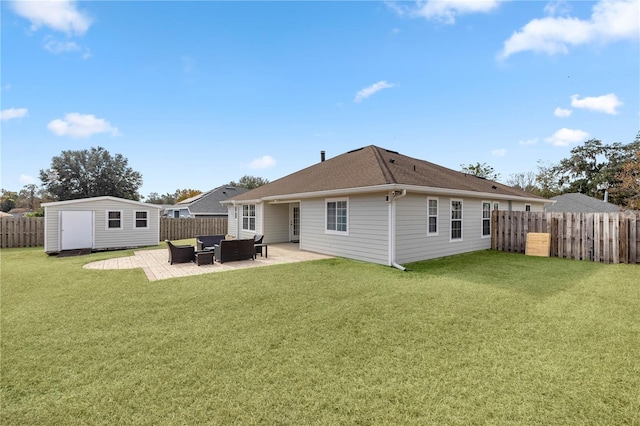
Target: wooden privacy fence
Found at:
21, 232
29, 231
599, 237
178, 229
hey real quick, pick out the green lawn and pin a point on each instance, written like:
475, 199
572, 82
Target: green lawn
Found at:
483, 338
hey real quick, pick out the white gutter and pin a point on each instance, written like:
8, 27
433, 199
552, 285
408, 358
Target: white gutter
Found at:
393, 196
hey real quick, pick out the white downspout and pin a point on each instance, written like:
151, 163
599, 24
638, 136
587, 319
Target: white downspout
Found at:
393, 196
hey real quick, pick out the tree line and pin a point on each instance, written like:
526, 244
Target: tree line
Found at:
592, 168
93, 173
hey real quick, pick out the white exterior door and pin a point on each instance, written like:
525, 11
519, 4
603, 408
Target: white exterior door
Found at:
76, 230
294, 219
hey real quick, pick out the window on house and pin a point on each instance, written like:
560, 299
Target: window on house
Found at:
456, 219
432, 216
496, 206
114, 219
527, 207
486, 218
141, 219
249, 217
337, 216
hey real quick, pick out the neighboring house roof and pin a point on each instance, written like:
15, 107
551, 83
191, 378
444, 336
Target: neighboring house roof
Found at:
580, 203
106, 197
374, 168
209, 202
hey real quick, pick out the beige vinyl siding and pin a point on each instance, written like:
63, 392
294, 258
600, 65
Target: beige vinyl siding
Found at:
276, 223
103, 238
367, 229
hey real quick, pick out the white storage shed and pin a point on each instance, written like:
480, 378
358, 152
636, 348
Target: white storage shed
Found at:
100, 223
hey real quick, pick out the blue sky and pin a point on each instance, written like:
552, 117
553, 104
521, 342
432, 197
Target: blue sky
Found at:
196, 94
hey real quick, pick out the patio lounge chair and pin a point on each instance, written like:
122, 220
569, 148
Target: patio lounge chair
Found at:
180, 254
258, 240
207, 241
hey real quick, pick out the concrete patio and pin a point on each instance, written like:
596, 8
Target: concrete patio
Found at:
155, 263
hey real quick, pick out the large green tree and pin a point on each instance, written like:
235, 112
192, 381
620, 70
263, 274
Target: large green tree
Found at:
481, 170
90, 173
595, 167
8, 200
249, 182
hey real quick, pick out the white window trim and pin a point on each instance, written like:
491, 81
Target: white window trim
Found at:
525, 207
106, 222
135, 219
249, 217
451, 239
482, 218
433, 234
330, 231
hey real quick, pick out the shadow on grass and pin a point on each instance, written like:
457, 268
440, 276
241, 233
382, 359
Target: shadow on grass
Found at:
536, 276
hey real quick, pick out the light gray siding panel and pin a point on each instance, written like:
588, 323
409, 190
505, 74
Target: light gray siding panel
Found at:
232, 220
367, 229
412, 242
104, 239
276, 223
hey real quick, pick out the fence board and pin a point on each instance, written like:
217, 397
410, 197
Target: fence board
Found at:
178, 229
21, 232
599, 237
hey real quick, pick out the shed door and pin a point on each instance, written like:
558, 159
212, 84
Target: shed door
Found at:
76, 230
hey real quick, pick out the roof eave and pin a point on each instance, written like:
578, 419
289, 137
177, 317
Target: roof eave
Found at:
385, 188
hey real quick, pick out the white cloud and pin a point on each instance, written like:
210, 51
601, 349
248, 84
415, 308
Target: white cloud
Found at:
499, 152
564, 137
58, 15
27, 180
262, 162
55, 46
11, 113
368, 91
605, 103
610, 20
558, 7
529, 142
444, 11
78, 125
561, 112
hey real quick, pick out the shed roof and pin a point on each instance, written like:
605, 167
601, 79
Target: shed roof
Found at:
372, 166
102, 198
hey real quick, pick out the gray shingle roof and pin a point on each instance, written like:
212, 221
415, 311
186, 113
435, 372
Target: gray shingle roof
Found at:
209, 202
580, 203
375, 166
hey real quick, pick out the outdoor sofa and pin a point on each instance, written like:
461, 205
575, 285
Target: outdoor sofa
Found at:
203, 241
235, 250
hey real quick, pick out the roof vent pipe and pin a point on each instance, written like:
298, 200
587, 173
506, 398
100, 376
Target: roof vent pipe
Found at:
321, 156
